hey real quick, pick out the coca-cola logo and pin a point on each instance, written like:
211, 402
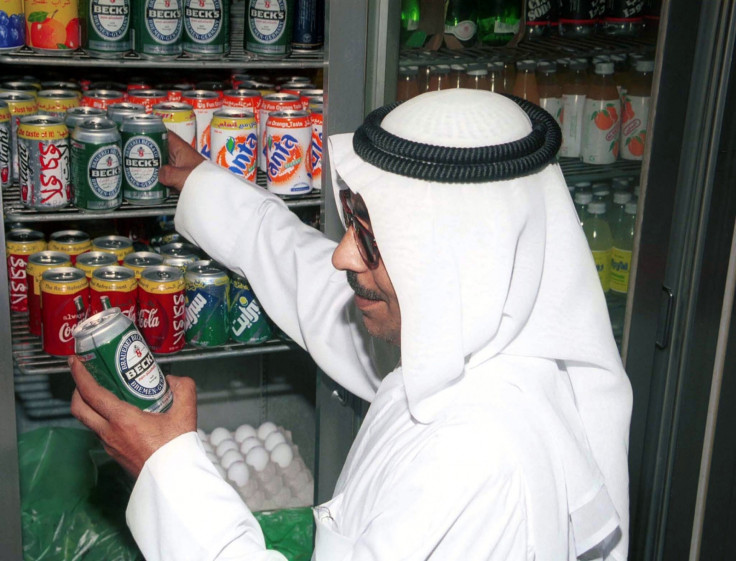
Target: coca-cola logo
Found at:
148, 319
65, 332
129, 312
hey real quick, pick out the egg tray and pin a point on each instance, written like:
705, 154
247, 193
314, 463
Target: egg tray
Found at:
262, 464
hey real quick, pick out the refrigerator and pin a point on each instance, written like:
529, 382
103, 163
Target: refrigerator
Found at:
674, 338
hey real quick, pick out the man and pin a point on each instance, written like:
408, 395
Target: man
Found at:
503, 432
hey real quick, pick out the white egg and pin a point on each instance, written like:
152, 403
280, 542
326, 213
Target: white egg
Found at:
238, 473
230, 457
224, 446
221, 470
265, 429
273, 439
248, 444
273, 486
257, 458
218, 435
243, 432
202, 435
282, 454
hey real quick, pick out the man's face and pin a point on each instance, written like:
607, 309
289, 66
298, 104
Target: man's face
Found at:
374, 293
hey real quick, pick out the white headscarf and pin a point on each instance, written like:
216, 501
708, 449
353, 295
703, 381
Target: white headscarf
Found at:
498, 268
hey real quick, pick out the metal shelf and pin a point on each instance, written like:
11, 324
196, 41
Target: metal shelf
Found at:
575, 170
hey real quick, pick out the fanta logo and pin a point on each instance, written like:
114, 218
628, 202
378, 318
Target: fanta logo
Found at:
204, 142
284, 157
239, 155
316, 154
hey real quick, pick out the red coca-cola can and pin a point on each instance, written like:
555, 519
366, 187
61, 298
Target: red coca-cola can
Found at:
114, 286
63, 306
20, 243
161, 309
37, 264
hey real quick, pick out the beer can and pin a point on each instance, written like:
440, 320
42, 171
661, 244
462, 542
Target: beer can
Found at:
118, 112
145, 150
97, 165
116, 354
64, 295
43, 160
147, 98
180, 249
235, 142
270, 103
12, 26
120, 246
162, 309
140, 260
106, 29
268, 27
158, 26
207, 28
204, 103
113, 286
71, 242
56, 102
288, 139
179, 118
90, 261
37, 264
315, 151
5, 142
207, 304
20, 243
77, 115
248, 323
102, 98
53, 26
309, 25
242, 99
20, 104
180, 262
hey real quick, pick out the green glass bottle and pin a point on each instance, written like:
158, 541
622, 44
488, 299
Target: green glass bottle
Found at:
411, 35
461, 21
498, 21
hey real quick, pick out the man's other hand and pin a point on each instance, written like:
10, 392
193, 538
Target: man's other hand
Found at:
128, 434
182, 160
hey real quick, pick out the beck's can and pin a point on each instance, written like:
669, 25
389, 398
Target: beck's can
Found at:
20, 105
268, 26
106, 29
37, 264
5, 160
116, 354
116, 286
140, 260
206, 28
64, 295
145, 150
248, 323
288, 139
158, 28
235, 142
77, 115
162, 309
120, 246
90, 261
118, 112
56, 102
204, 103
71, 242
316, 147
207, 304
97, 165
179, 118
102, 99
43, 159
20, 243
14, 25
147, 98
270, 103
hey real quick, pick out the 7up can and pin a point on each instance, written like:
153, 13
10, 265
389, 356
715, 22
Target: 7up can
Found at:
97, 165
268, 26
248, 323
116, 354
145, 150
207, 287
106, 33
207, 28
158, 28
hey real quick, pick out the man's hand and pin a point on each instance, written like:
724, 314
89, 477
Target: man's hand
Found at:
182, 160
128, 434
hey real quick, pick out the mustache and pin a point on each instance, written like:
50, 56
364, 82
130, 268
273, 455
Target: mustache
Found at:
359, 289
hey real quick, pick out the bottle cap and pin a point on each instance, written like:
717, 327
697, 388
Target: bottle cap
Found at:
582, 197
477, 72
582, 185
528, 64
644, 66
604, 68
630, 207
601, 191
546, 66
621, 197
620, 183
458, 67
597, 207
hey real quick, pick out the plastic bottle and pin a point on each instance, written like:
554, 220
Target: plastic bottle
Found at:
582, 199
496, 76
602, 192
439, 78
476, 78
635, 111
407, 86
539, 17
550, 90
461, 23
623, 246
599, 238
498, 21
578, 18
624, 17
616, 212
574, 91
525, 85
621, 184
601, 118
410, 34
457, 71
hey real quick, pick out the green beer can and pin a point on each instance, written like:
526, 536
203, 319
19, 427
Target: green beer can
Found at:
158, 27
106, 27
207, 286
145, 149
116, 354
268, 26
206, 28
248, 323
97, 165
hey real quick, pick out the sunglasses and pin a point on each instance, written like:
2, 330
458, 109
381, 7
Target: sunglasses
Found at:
352, 207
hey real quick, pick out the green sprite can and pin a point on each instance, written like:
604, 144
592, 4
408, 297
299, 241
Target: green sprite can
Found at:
97, 165
145, 150
248, 323
116, 354
207, 286
206, 28
158, 26
106, 27
268, 26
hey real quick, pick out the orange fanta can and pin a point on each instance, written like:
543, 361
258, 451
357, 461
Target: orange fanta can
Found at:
52, 26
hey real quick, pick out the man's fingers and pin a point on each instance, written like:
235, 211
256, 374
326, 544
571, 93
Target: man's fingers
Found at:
182, 154
173, 176
86, 415
103, 401
185, 399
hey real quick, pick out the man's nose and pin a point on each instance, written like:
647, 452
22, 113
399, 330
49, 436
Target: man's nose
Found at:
346, 256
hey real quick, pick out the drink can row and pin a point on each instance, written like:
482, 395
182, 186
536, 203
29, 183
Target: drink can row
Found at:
234, 136
97, 165
178, 117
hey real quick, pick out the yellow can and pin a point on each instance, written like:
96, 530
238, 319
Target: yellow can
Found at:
52, 27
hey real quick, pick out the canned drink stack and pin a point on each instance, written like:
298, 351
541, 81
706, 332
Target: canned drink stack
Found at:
145, 150
162, 309
97, 165
116, 286
147, 98
37, 264
106, 33
248, 323
116, 354
102, 98
242, 99
71, 242
60, 35
206, 28
64, 295
179, 118
158, 28
268, 27
14, 26
207, 287
288, 142
234, 136
20, 243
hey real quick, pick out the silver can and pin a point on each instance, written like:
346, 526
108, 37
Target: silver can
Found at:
77, 115
43, 159
140, 260
118, 112
56, 102
145, 150
20, 104
180, 249
178, 117
97, 165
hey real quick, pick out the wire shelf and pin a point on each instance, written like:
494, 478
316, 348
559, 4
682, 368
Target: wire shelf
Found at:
575, 170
